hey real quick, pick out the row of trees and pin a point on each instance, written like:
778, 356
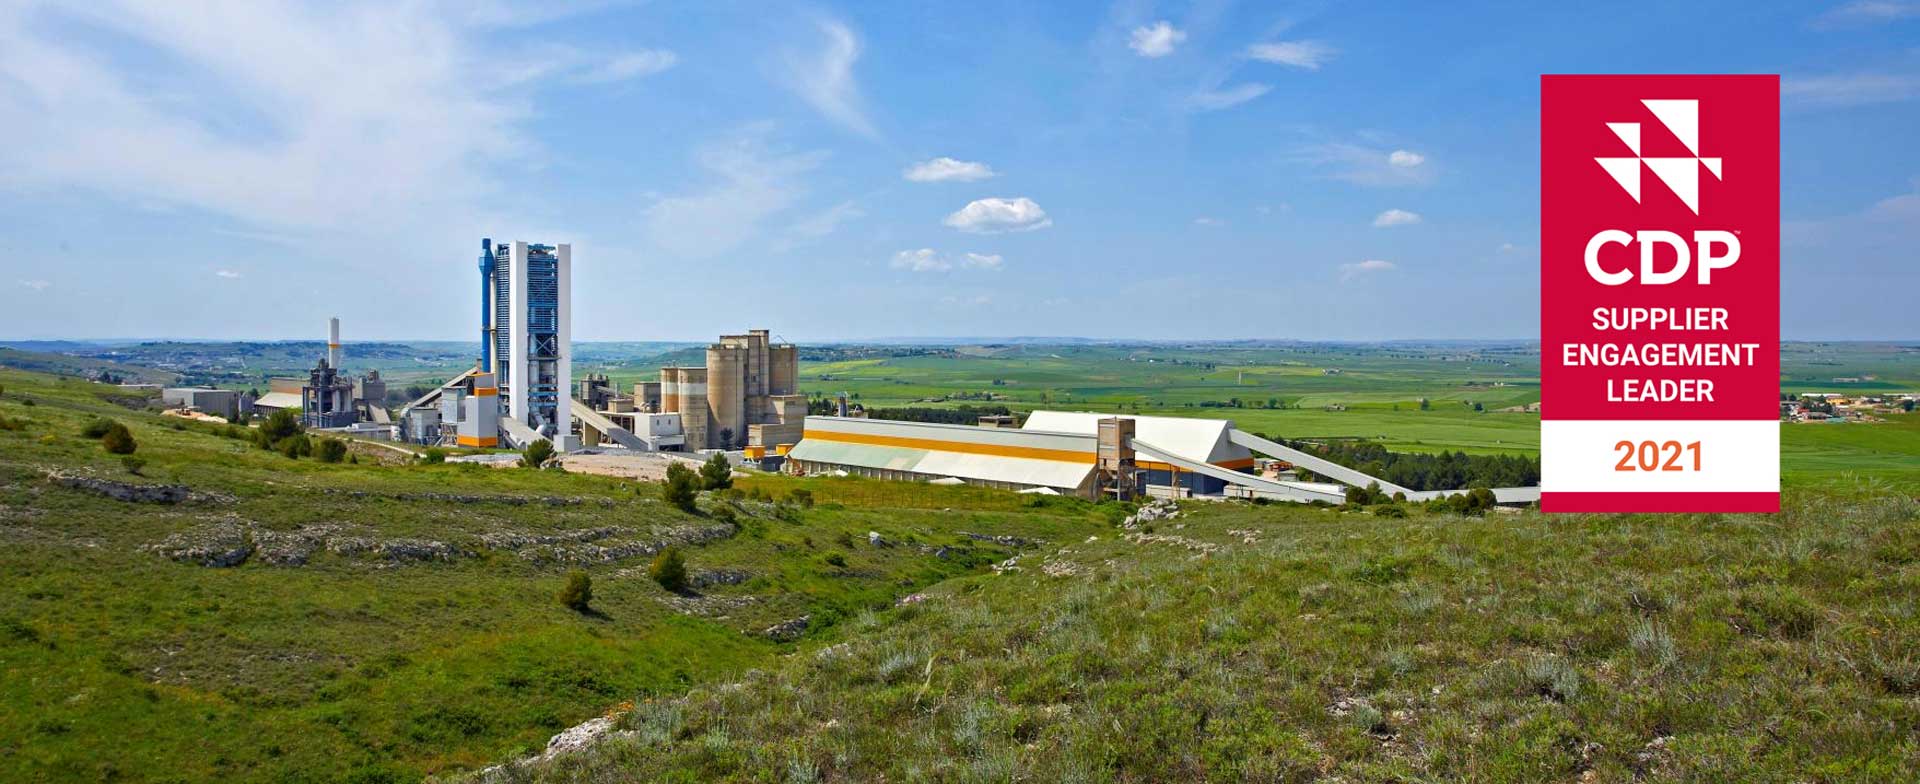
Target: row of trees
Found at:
1422, 471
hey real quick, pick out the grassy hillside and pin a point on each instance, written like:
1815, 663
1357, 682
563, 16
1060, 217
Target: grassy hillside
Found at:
393, 621
1243, 643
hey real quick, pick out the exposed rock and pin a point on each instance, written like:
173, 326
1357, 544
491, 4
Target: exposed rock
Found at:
912, 598
418, 550
1158, 509
874, 539
1193, 545
708, 578
516, 540
709, 606
788, 630
221, 544
1008, 541
579, 736
457, 498
125, 491
291, 548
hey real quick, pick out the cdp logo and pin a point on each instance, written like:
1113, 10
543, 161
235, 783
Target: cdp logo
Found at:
1681, 175
1681, 118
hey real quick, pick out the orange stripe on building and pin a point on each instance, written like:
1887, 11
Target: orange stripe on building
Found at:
478, 440
485, 391
936, 445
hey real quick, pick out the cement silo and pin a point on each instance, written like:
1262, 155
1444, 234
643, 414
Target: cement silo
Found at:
726, 393
783, 378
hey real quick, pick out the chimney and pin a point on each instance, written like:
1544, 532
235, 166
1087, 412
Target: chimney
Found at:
333, 343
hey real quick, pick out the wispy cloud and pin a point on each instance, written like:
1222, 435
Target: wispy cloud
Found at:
823, 223
228, 274
1209, 221
1228, 97
1156, 40
752, 181
36, 285
1868, 12
1307, 55
632, 65
1395, 218
1853, 89
994, 215
1370, 166
945, 169
930, 260
825, 79
1361, 268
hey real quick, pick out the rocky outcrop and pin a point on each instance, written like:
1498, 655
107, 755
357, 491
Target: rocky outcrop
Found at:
708, 578
787, 631
222, 544
459, 498
1153, 511
127, 491
1006, 541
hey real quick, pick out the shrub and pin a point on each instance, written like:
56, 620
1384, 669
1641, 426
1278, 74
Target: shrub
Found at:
680, 487
284, 424
723, 513
12, 424
801, 496
434, 456
537, 454
119, 440
133, 464
330, 450
295, 446
578, 592
717, 474
97, 428
669, 569
836, 559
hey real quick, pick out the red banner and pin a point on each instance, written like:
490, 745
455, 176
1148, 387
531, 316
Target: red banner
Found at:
1660, 293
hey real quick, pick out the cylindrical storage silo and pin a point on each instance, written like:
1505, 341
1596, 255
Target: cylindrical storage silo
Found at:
726, 398
785, 371
695, 419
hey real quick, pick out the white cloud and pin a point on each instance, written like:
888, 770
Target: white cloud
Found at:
825, 80
930, 260
1866, 12
1850, 89
1308, 55
1508, 247
823, 223
228, 274
36, 285
922, 260
632, 65
1156, 40
975, 300
945, 169
1369, 166
1228, 97
1395, 218
1205, 220
986, 216
406, 91
752, 183
1356, 269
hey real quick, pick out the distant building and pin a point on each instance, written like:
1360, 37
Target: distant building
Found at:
745, 396
527, 331
223, 403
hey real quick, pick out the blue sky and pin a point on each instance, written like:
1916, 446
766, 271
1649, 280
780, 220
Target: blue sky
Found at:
1169, 170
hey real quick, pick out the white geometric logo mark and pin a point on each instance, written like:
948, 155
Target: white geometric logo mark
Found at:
1682, 175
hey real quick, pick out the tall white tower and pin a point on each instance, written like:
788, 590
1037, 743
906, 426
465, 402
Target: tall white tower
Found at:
333, 342
532, 328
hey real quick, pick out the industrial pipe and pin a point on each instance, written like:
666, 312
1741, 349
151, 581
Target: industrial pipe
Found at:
486, 313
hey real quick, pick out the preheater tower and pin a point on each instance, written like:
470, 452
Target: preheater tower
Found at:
526, 321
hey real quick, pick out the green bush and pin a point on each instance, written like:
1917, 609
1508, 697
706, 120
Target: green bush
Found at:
836, 560
578, 592
284, 424
434, 456
330, 450
295, 446
801, 496
119, 440
133, 464
669, 569
717, 474
97, 428
681, 486
537, 454
723, 513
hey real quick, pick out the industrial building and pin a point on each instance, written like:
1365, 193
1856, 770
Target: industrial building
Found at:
231, 405
1089, 455
526, 334
745, 396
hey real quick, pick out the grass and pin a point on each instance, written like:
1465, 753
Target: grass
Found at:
1312, 644
121, 663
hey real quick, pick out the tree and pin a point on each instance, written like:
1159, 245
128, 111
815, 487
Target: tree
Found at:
578, 592
434, 456
669, 569
717, 474
119, 440
726, 438
1425, 404
537, 454
330, 450
680, 487
282, 425
1907, 405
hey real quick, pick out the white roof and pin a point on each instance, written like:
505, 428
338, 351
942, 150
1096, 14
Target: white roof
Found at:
1200, 440
938, 464
278, 400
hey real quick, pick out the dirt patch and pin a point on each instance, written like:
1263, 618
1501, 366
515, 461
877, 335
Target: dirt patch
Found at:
642, 466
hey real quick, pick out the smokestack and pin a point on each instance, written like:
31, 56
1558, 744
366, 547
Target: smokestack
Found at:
333, 343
